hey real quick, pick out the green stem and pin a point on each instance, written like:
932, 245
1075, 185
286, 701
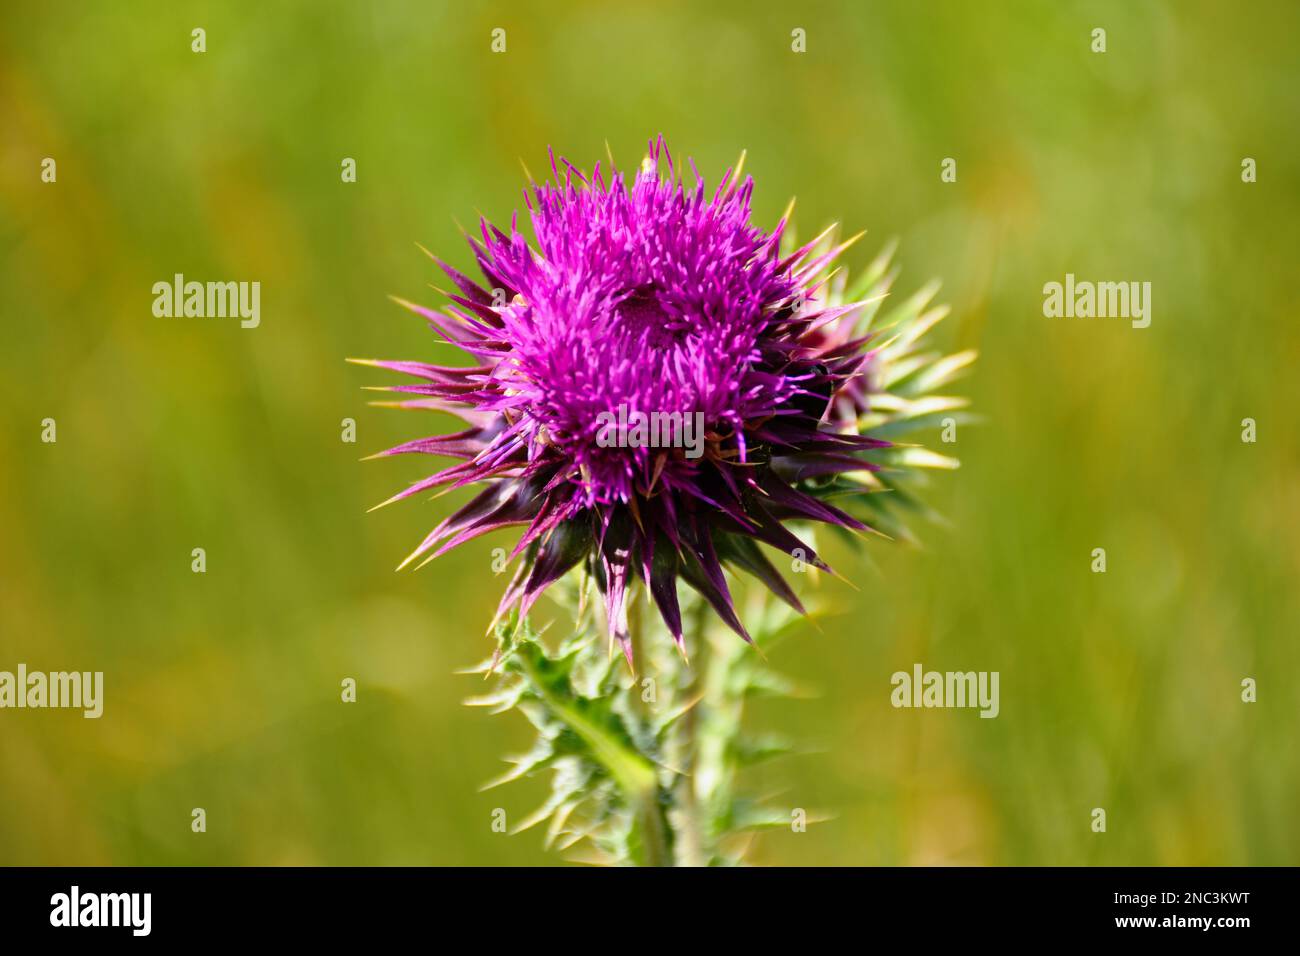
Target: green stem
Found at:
654, 830
652, 820
694, 837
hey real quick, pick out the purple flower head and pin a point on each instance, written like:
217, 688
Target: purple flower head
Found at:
650, 393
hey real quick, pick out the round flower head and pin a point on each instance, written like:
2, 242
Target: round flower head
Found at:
656, 388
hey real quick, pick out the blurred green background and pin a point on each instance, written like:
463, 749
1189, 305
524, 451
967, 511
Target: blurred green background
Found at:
1119, 690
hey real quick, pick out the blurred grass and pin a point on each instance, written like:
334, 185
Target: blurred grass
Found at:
1120, 691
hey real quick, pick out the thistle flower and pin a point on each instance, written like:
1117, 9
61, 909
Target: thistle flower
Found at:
657, 298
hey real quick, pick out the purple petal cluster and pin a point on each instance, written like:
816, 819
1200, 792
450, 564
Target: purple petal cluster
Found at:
652, 297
